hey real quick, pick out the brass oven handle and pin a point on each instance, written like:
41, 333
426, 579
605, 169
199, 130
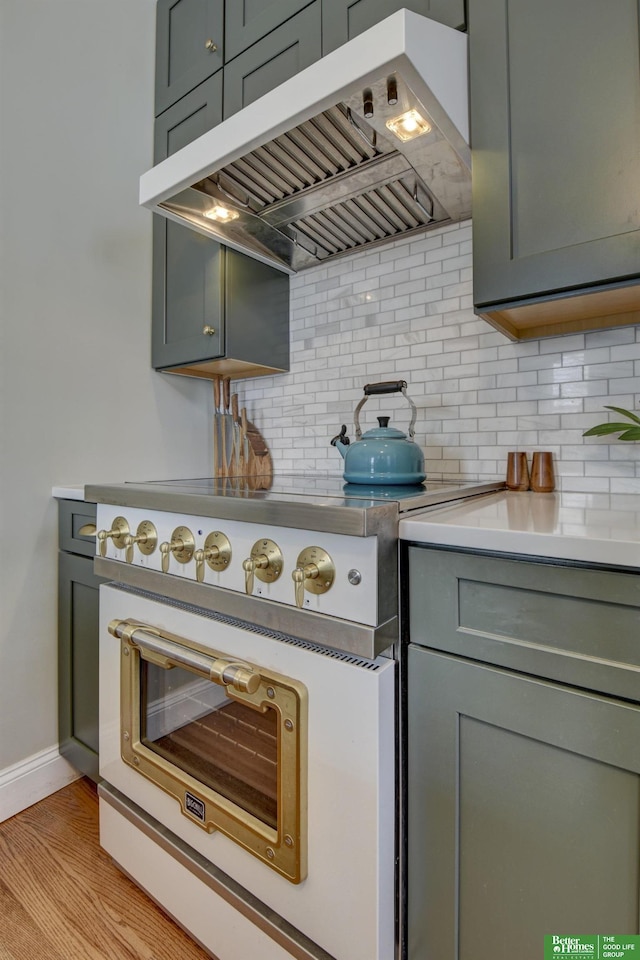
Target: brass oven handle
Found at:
227, 673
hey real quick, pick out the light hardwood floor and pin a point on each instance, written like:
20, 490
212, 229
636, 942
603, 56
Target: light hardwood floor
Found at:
61, 897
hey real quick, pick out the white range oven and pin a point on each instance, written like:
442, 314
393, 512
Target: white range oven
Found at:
248, 719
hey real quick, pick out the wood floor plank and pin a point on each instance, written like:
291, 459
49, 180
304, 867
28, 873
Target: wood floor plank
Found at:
61, 891
20, 937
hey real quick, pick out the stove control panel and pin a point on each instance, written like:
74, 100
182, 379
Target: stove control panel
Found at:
326, 572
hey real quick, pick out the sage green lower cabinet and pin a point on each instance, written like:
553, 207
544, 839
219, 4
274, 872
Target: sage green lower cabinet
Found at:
522, 754
78, 626
523, 811
344, 19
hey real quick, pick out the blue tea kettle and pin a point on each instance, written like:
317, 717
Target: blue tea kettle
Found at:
382, 455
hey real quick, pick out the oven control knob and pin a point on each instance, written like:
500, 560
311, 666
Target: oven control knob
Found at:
265, 563
146, 537
217, 554
182, 547
119, 531
315, 572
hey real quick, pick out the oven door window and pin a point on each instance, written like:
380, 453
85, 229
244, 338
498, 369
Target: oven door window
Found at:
230, 747
226, 738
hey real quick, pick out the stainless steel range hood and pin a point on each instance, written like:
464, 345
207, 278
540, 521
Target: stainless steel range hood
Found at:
311, 170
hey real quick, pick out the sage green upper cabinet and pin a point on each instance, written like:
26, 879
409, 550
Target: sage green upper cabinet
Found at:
344, 19
213, 310
280, 55
189, 46
555, 126
186, 266
247, 21
188, 119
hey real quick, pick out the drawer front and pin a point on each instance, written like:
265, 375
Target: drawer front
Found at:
280, 55
73, 514
569, 623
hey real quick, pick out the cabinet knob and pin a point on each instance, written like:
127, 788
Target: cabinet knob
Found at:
208, 331
210, 46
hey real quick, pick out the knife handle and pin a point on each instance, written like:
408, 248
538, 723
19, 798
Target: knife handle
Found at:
226, 389
234, 408
216, 391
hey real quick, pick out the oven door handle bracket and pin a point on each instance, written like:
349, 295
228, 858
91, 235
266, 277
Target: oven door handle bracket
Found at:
166, 652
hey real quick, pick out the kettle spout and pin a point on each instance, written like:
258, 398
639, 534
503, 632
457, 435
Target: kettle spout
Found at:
341, 442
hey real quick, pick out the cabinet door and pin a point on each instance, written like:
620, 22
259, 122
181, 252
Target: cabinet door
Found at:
274, 59
344, 19
247, 21
188, 290
189, 119
188, 296
189, 46
523, 811
555, 120
78, 626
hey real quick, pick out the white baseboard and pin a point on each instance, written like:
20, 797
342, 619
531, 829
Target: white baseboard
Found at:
32, 780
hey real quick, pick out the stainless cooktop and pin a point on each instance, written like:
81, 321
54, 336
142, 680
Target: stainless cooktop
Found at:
311, 501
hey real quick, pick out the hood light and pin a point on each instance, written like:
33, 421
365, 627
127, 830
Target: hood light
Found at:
221, 214
408, 125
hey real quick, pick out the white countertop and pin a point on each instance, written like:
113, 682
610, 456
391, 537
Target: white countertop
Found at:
69, 492
595, 528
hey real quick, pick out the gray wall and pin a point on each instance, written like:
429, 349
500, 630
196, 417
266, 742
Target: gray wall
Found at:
79, 402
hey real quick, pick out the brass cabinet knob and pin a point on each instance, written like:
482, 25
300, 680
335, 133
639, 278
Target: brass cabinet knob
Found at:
265, 563
210, 46
208, 331
314, 572
182, 546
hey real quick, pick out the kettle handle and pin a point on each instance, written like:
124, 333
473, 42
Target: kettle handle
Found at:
390, 386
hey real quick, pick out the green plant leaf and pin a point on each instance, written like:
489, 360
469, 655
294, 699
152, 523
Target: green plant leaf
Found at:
604, 428
633, 433
625, 413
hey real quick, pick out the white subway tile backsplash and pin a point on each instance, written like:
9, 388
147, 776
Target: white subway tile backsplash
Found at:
608, 371
405, 312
